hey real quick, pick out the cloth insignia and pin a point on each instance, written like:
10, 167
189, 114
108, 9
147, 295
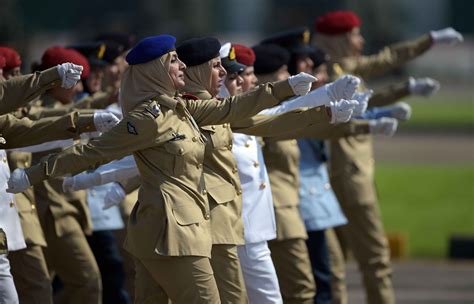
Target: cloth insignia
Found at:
131, 129
2, 140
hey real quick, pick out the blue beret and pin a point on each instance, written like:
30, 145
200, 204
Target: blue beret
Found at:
196, 51
150, 48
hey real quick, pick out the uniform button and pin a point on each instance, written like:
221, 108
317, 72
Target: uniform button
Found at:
229, 147
181, 151
12, 204
33, 206
312, 190
225, 125
213, 127
327, 186
195, 138
26, 164
263, 186
207, 216
239, 192
255, 164
318, 109
199, 166
234, 170
204, 192
247, 144
4, 159
183, 118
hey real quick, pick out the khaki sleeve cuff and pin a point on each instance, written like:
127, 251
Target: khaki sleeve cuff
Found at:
50, 77
282, 90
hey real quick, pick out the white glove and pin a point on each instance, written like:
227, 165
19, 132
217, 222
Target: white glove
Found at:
343, 88
104, 121
81, 181
363, 99
301, 83
18, 181
114, 196
70, 74
447, 35
342, 110
401, 111
384, 126
423, 86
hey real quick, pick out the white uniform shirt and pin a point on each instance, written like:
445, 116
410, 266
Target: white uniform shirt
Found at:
9, 218
257, 210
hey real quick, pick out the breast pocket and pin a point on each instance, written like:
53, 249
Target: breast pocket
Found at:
179, 151
220, 136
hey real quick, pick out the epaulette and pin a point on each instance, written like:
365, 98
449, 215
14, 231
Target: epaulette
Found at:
153, 108
189, 96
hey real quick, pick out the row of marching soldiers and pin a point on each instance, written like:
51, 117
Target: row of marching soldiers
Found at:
230, 148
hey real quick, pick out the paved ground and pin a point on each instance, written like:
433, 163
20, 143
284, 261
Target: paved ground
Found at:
423, 282
426, 148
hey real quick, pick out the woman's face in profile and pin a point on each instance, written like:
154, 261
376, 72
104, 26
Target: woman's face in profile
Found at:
176, 71
233, 83
217, 75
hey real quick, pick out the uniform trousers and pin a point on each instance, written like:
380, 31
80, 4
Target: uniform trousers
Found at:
318, 252
260, 276
337, 267
365, 237
31, 275
70, 257
293, 268
181, 280
8, 293
107, 254
228, 274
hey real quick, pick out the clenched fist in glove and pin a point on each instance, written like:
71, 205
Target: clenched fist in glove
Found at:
114, 196
447, 35
81, 181
70, 74
400, 110
363, 99
18, 181
385, 126
301, 83
343, 88
104, 121
341, 111
423, 86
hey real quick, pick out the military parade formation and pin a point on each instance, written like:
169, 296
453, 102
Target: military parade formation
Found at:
228, 173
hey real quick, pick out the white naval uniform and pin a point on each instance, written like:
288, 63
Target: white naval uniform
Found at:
10, 223
259, 222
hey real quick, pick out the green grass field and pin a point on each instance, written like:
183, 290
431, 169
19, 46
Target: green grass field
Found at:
427, 203
449, 114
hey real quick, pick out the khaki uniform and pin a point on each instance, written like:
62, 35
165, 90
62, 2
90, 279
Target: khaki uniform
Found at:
169, 228
18, 91
352, 178
289, 252
28, 266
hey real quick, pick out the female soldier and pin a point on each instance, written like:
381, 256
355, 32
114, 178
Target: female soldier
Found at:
169, 231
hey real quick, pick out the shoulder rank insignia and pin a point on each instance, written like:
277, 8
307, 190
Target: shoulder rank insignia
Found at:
131, 129
154, 109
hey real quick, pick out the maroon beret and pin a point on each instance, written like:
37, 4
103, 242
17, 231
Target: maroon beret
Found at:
2, 62
337, 22
12, 58
244, 55
58, 55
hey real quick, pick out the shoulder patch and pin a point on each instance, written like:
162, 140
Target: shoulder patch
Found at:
189, 96
131, 128
154, 109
